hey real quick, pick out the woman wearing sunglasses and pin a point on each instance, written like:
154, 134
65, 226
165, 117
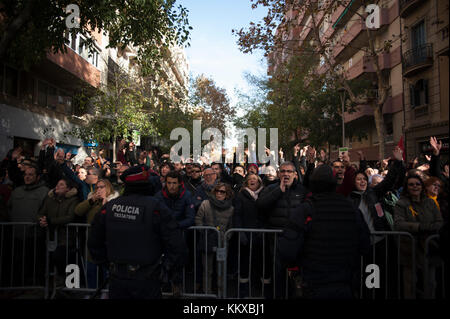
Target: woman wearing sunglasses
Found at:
417, 214
215, 211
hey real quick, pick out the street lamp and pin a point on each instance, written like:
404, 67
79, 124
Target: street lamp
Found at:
342, 96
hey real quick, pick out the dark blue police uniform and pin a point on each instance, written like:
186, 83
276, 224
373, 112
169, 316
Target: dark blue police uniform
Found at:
131, 233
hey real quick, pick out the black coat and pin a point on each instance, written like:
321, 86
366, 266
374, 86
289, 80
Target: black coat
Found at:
246, 213
334, 239
277, 206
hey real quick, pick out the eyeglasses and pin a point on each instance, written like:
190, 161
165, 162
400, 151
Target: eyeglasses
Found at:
220, 191
283, 171
210, 174
414, 184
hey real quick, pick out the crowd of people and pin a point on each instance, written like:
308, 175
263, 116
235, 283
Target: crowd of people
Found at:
339, 202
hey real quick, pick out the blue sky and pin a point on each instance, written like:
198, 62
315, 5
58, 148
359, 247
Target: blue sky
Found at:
213, 49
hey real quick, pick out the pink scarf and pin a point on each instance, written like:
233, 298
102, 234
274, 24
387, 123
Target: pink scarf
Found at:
254, 194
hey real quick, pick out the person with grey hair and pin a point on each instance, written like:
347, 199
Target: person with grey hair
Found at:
276, 203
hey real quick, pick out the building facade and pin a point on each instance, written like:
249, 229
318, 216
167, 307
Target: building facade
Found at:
41, 102
425, 55
344, 30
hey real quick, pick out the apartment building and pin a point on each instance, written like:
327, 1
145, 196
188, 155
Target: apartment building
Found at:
40, 103
425, 55
345, 31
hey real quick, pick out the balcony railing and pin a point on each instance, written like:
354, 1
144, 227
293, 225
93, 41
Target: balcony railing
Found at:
418, 58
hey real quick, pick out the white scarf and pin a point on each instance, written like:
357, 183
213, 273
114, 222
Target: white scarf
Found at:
254, 194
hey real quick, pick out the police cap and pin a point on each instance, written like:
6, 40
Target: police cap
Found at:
136, 175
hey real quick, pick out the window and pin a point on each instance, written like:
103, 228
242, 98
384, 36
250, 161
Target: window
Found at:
26, 86
418, 37
52, 97
78, 44
42, 93
11, 81
419, 93
389, 128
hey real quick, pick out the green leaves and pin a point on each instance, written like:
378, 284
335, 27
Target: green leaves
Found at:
151, 25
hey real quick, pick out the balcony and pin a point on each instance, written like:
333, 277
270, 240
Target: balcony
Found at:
392, 105
408, 6
417, 59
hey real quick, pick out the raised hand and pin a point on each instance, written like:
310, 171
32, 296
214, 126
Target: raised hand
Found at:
311, 154
435, 145
296, 149
281, 153
398, 153
282, 185
346, 160
428, 157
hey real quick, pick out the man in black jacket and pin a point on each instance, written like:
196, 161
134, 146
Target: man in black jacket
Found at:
277, 203
335, 238
282, 199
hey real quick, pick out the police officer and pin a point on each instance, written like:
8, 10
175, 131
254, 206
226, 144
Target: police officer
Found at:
137, 236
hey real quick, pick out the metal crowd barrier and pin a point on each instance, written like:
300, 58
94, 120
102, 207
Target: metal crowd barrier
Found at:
432, 263
251, 232
21, 268
192, 285
24, 259
386, 254
76, 252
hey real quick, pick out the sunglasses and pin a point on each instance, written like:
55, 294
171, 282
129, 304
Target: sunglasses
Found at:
220, 191
414, 184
